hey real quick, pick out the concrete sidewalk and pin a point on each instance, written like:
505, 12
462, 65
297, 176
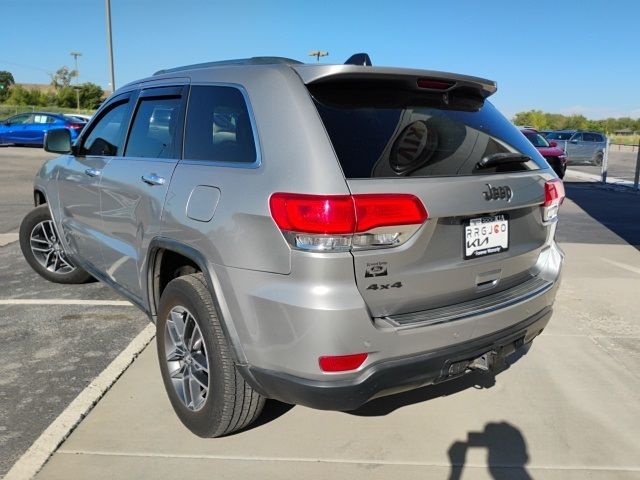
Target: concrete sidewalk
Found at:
569, 409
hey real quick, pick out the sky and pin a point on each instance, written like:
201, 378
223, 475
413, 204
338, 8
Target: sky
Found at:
561, 56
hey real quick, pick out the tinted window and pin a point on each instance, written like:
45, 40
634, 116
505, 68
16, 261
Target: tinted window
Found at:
588, 137
107, 135
536, 139
559, 135
218, 126
154, 127
577, 137
382, 140
19, 119
599, 138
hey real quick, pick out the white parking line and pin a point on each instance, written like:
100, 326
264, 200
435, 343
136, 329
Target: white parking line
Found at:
40, 451
7, 238
624, 266
56, 301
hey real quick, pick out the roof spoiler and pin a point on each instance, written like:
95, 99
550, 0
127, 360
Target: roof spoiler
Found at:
406, 79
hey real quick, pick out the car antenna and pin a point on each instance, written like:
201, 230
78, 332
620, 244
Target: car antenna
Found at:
359, 59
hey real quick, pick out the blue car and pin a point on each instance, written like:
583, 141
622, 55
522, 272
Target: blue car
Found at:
30, 128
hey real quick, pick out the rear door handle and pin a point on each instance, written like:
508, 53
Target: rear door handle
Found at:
153, 179
92, 172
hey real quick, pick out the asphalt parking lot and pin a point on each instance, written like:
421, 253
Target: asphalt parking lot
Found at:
50, 351
621, 165
569, 409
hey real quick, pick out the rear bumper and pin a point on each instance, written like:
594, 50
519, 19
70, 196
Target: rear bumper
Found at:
395, 375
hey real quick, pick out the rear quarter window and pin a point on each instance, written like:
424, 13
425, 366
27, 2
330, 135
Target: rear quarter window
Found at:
219, 126
419, 141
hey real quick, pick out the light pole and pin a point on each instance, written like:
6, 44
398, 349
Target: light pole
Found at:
110, 46
75, 56
318, 54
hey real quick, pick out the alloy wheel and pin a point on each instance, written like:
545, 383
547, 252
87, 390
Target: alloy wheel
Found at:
186, 357
47, 250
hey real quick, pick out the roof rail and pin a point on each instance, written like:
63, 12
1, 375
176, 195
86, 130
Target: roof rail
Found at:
239, 61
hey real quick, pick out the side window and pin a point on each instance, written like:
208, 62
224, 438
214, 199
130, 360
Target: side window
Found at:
153, 133
19, 119
600, 138
107, 135
218, 126
577, 137
588, 137
41, 119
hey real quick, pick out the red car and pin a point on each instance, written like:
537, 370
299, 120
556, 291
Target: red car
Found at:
554, 155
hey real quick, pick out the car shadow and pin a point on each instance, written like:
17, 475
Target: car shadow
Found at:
507, 453
272, 409
385, 405
618, 210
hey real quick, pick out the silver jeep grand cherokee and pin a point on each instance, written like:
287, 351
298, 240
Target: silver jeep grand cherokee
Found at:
316, 234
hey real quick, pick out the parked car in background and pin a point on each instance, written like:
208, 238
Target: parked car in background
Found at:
31, 128
580, 146
544, 133
78, 116
555, 156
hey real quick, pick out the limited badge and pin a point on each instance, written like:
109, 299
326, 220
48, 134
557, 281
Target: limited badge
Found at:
376, 269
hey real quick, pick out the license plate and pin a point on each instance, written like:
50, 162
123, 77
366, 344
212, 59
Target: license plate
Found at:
486, 236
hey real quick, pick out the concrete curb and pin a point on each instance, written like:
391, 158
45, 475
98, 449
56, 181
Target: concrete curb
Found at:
35, 457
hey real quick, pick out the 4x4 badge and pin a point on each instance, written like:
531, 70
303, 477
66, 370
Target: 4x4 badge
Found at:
498, 193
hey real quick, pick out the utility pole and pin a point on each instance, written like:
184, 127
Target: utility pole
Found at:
110, 46
75, 56
318, 54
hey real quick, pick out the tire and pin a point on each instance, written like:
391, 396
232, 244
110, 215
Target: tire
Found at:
42, 250
598, 159
227, 403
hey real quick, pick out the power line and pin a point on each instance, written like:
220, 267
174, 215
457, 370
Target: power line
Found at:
22, 65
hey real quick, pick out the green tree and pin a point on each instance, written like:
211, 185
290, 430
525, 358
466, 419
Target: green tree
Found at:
62, 78
18, 95
6, 80
66, 97
90, 95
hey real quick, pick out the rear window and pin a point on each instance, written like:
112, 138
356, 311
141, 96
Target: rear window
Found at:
379, 139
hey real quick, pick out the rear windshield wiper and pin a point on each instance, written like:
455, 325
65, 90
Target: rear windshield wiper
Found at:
500, 158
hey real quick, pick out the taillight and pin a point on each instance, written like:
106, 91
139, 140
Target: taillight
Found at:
342, 363
75, 126
313, 213
553, 198
345, 222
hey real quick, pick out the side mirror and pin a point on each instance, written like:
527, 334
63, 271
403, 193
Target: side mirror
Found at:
553, 143
58, 141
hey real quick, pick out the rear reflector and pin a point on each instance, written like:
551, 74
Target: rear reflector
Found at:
553, 197
342, 363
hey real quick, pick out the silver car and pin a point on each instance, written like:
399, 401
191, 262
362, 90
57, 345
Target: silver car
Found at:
317, 234
580, 147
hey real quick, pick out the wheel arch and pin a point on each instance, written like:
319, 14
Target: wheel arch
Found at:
39, 198
159, 247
